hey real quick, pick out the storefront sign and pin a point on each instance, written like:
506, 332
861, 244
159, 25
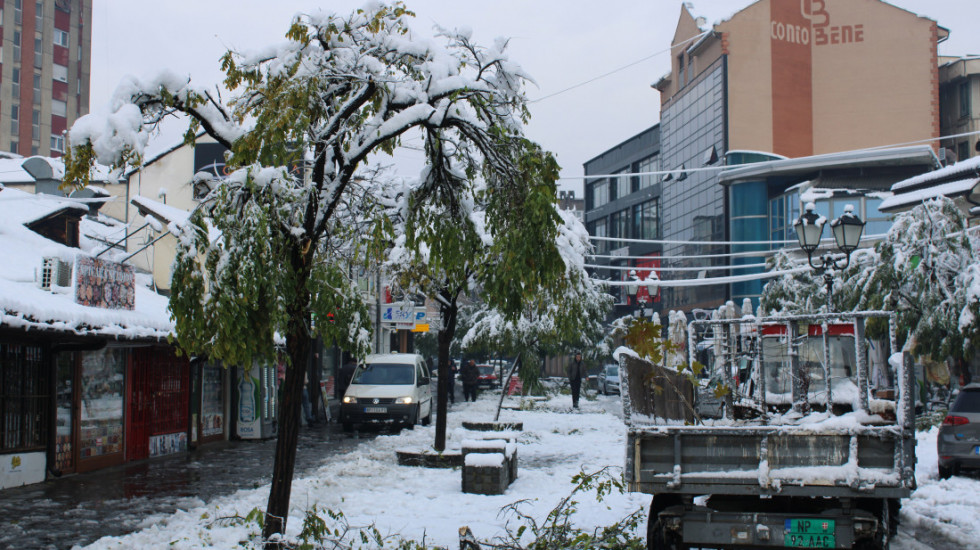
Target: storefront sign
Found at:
819, 31
104, 283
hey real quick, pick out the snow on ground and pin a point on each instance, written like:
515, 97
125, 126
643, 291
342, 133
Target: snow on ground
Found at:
939, 510
368, 485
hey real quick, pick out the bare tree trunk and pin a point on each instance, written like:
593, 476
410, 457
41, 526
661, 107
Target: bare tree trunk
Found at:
446, 334
298, 348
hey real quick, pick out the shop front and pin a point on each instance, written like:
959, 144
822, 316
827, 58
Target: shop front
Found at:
25, 397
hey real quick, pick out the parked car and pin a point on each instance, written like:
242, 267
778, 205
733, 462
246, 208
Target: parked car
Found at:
489, 376
608, 379
959, 436
390, 388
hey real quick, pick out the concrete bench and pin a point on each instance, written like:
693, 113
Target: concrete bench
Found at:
489, 465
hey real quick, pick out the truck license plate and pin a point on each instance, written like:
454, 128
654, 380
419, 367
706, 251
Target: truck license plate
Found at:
375, 410
809, 533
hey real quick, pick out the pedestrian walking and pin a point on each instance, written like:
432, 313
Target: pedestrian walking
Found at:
307, 405
452, 381
575, 372
470, 376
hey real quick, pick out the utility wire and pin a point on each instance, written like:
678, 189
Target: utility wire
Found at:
614, 71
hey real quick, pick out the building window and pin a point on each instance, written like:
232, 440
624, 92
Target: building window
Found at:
18, 13
59, 108
600, 193
59, 73
783, 212
599, 230
14, 120
619, 226
60, 38
17, 45
646, 220
14, 147
648, 164
15, 75
37, 88
965, 99
621, 184
24, 397
35, 125
38, 52
58, 143
39, 15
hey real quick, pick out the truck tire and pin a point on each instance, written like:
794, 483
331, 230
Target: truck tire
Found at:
888, 526
658, 537
945, 472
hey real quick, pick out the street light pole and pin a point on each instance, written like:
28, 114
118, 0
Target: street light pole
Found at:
847, 231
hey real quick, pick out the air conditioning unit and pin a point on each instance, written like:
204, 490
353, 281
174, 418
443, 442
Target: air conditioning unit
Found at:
54, 271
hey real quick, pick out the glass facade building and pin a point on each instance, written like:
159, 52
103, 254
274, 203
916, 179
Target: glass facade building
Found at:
693, 204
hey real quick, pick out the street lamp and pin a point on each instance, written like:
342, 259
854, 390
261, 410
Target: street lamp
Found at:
633, 286
847, 233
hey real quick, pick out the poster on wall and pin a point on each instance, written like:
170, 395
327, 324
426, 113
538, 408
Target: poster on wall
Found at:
212, 406
101, 407
105, 284
167, 444
249, 401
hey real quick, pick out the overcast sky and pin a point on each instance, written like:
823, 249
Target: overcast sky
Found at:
561, 43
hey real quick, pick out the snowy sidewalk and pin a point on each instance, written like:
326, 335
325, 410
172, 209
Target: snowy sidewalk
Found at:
368, 485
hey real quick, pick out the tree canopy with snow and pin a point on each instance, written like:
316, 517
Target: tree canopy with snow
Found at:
467, 236
554, 319
925, 270
257, 258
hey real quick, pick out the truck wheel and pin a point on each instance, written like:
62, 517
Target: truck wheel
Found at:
428, 419
658, 538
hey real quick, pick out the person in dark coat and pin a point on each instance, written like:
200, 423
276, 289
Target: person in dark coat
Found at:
470, 376
452, 381
576, 370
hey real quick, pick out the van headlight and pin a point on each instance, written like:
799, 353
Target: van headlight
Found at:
404, 400
348, 399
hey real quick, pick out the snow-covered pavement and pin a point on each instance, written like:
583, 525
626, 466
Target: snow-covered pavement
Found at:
369, 487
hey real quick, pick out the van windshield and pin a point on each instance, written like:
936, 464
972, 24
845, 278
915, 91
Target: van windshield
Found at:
385, 374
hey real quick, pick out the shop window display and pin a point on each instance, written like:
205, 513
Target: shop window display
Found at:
101, 414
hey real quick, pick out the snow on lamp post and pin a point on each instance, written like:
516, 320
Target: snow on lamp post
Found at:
847, 231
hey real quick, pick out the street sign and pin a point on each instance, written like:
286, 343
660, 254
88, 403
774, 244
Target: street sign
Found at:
421, 328
401, 313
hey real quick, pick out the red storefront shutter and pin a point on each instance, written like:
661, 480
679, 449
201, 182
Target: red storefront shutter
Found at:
159, 398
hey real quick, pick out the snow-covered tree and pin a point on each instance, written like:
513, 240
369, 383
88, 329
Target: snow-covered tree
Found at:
467, 235
923, 270
336, 93
554, 318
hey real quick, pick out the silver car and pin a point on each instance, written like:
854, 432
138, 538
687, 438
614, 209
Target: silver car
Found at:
608, 379
959, 436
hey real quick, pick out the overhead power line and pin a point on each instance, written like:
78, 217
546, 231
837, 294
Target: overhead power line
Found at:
614, 71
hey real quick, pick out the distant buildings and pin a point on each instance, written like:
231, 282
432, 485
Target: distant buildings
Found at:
44, 73
780, 79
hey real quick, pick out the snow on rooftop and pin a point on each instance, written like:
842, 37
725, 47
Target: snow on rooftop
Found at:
23, 304
912, 198
962, 170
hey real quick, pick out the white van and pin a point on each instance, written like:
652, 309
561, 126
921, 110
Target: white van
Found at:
388, 388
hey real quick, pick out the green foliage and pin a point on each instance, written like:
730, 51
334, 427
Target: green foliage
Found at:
557, 532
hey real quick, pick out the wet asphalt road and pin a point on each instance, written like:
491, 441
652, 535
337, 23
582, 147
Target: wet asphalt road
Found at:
80, 509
